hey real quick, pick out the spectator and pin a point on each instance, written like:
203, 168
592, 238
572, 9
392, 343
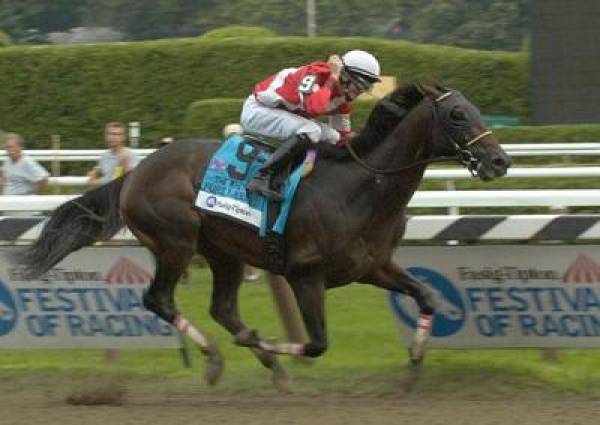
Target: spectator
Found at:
21, 174
117, 160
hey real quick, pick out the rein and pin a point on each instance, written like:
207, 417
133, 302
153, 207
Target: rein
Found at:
398, 170
463, 156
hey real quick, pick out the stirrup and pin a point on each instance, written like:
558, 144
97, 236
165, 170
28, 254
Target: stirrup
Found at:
266, 192
260, 183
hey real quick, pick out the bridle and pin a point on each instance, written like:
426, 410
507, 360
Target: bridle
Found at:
463, 155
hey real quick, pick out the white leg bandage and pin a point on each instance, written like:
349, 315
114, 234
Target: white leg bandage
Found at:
424, 325
186, 328
290, 348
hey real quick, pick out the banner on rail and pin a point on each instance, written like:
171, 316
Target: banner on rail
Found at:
92, 299
506, 296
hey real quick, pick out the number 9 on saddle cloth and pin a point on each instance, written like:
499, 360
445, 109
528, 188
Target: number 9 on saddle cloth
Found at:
223, 186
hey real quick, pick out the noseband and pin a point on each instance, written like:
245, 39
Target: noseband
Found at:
463, 155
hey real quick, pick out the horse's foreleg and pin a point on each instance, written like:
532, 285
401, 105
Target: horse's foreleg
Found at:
393, 278
310, 295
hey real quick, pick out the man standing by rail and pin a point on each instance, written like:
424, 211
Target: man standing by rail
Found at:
117, 160
21, 174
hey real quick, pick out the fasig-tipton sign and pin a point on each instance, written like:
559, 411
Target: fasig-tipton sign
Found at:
506, 296
92, 299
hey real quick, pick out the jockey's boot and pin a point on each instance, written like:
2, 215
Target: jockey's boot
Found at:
285, 153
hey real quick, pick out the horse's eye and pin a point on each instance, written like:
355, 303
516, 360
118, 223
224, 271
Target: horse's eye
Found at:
457, 115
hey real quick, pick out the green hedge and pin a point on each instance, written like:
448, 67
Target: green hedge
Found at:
549, 133
232, 31
74, 90
206, 118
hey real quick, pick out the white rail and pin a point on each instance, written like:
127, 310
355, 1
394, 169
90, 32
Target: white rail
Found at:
422, 199
506, 198
552, 149
525, 172
513, 149
71, 155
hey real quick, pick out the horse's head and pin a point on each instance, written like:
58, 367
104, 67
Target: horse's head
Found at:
459, 130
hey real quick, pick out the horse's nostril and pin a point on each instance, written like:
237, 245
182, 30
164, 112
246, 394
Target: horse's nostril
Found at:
499, 162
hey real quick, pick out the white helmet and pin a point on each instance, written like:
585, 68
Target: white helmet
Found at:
362, 64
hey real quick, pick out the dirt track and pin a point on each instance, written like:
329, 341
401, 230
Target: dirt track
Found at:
233, 411
30, 406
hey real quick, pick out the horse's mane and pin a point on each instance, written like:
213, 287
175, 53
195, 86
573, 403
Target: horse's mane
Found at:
384, 117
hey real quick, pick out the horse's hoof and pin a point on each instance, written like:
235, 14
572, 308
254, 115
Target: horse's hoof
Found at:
413, 373
213, 368
280, 379
247, 338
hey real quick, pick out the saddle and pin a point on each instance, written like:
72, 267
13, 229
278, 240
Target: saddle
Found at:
274, 242
223, 191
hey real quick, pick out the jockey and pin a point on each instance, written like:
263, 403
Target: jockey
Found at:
285, 105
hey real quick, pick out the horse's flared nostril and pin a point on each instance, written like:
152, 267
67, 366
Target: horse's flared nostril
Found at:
499, 162
498, 165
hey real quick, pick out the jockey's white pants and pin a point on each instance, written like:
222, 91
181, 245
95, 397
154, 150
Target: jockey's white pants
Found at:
282, 124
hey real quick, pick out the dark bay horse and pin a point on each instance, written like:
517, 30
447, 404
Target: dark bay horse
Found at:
347, 217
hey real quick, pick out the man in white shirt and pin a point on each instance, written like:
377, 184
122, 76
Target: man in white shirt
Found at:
21, 174
117, 160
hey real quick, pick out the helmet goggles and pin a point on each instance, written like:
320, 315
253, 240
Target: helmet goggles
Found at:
362, 82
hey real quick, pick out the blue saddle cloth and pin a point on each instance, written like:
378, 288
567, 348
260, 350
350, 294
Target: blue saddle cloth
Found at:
223, 187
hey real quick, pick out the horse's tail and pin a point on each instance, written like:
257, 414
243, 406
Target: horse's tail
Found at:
79, 222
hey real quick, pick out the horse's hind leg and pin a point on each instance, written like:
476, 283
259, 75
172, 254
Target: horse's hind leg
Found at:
227, 278
160, 299
156, 204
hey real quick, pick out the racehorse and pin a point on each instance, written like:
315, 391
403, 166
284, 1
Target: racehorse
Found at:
347, 218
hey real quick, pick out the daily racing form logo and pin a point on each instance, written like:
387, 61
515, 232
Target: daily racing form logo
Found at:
583, 270
126, 271
211, 201
8, 310
450, 313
